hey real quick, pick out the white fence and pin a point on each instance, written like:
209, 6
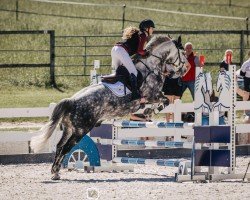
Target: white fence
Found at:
17, 142
27, 112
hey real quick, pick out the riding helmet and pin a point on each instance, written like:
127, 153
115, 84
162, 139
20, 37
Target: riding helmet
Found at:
146, 23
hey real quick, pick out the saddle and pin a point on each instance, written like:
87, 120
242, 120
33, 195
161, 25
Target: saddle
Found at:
111, 78
122, 75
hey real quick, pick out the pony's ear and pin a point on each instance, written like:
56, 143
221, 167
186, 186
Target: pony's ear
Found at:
179, 40
179, 43
169, 36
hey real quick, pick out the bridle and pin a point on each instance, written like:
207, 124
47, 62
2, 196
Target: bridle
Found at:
162, 59
158, 75
181, 63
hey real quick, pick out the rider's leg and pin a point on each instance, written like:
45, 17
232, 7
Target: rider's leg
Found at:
115, 58
121, 54
135, 90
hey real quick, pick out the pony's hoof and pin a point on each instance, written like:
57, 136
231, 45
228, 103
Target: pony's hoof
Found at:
56, 177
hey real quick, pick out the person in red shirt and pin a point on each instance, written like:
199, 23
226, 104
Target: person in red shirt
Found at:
133, 42
188, 81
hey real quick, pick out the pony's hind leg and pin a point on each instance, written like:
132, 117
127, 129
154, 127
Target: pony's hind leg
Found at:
67, 133
63, 150
59, 148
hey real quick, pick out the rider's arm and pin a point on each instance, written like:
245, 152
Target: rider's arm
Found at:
242, 73
197, 61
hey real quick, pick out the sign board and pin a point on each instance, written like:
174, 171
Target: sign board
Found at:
93, 77
96, 64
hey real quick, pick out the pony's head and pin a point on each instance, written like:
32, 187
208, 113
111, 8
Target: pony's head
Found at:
168, 52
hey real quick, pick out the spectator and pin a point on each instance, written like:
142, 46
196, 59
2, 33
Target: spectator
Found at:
188, 80
245, 72
240, 87
224, 64
172, 88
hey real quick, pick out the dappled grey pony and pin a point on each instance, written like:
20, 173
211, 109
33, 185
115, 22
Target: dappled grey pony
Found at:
93, 104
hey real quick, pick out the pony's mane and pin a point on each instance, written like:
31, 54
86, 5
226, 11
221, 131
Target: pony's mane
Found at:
156, 40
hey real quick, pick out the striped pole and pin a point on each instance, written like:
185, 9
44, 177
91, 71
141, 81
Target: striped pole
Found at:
143, 161
136, 124
152, 143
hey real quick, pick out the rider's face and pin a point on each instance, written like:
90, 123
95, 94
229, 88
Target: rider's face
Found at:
150, 30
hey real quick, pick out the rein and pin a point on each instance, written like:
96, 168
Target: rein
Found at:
162, 61
171, 63
150, 71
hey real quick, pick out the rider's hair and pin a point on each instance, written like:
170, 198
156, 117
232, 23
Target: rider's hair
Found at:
129, 31
187, 44
228, 50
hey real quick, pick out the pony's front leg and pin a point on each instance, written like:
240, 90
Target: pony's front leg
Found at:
160, 98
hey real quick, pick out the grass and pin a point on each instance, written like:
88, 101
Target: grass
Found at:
29, 87
25, 119
31, 97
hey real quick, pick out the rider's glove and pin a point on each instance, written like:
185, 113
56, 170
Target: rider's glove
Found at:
147, 54
136, 58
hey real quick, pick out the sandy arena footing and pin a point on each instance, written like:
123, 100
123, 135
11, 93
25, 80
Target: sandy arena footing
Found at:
32, 181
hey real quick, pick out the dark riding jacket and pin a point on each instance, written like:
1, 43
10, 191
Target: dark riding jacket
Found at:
224, 65
135, 44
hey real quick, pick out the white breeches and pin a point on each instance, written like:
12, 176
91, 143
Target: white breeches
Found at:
121, 57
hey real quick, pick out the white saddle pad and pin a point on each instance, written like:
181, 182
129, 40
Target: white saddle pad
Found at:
117, 89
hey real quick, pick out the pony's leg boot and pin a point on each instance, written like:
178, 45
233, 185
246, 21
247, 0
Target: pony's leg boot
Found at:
135, 92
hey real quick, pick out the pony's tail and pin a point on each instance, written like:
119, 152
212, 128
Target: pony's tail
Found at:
63, 107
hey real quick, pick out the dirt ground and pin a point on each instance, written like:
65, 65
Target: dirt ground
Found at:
32, 181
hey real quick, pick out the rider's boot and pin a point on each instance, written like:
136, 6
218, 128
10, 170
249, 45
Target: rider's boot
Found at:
134, 87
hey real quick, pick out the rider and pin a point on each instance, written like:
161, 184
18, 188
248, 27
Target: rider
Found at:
133, 42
